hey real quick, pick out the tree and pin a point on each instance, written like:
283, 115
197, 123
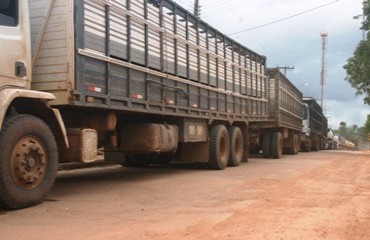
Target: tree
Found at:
342, 129
367, 124
354, 133
358, 66
366, 128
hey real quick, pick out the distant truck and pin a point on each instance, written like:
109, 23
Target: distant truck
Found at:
280, 134
332, 140
314, 126
345, 144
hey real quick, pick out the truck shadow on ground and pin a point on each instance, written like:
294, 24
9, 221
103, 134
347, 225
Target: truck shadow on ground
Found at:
116, 175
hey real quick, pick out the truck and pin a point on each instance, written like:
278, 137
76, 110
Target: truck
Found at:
280, 133
314, 126
332, 140
139, 80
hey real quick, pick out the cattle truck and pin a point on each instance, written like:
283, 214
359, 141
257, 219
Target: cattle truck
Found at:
314, 126
280, 133
136, 79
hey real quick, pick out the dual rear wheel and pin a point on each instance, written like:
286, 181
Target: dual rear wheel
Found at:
226, 147
272, 145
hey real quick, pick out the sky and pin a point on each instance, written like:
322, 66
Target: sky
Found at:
296, 42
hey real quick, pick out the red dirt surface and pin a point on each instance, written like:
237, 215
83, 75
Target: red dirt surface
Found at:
317, 195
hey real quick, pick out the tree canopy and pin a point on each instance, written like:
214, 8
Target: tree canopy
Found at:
352, 133
358, 66
367, 124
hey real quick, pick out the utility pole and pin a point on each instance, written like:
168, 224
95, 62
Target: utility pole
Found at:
324, 36
285, 69
196, 8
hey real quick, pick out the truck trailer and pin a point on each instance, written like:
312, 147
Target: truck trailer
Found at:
280, 134
315, 126
137, 79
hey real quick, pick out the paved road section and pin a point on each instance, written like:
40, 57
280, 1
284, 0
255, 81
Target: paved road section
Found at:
317, 195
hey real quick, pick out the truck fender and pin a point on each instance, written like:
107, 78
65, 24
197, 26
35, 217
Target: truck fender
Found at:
9, 95
63, 129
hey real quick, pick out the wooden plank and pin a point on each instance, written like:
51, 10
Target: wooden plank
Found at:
51, 69
47, 61
57, 52
49, 27
51, 77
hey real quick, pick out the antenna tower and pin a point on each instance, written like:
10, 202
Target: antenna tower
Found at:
324, 36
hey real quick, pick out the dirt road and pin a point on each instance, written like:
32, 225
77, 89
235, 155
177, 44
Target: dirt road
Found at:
317, 195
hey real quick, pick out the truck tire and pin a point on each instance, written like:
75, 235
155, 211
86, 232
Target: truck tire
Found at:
276, 145
266, 145
236, 146
28, 161
322, 144
297, 143
218, 147
315, 145
306, 148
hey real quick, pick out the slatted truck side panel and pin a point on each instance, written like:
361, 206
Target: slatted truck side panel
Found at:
141, 80
280, 134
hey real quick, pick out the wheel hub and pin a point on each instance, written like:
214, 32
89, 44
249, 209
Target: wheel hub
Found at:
28, 163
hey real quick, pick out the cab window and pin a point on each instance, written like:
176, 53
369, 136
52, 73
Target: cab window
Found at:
304, 112
9, 13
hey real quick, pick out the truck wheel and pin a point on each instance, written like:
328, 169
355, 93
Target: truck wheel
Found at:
218, 147
297, 143
322, 144
276, 145
28, 161
236, 146
306, 148
266, 145
315, 144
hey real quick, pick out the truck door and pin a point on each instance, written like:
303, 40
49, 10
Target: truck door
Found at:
15, 59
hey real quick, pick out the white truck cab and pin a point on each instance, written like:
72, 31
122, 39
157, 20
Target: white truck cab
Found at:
15, 45
29, 127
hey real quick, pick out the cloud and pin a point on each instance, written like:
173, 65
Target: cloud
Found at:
297, 42
352, 112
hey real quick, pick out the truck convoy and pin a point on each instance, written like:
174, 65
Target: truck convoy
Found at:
139, 79
336, 141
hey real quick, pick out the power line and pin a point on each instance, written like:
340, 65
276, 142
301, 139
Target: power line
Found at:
283, 19
228, 8
213, 7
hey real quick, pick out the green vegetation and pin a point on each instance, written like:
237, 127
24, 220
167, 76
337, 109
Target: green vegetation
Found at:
358, 66
354, 133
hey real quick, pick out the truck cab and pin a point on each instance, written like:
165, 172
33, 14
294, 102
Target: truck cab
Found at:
15, 45
29, 127
314, 126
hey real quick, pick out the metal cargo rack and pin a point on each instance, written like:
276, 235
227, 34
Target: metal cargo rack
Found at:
149, 56
285, 101
154, 56
318, 121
